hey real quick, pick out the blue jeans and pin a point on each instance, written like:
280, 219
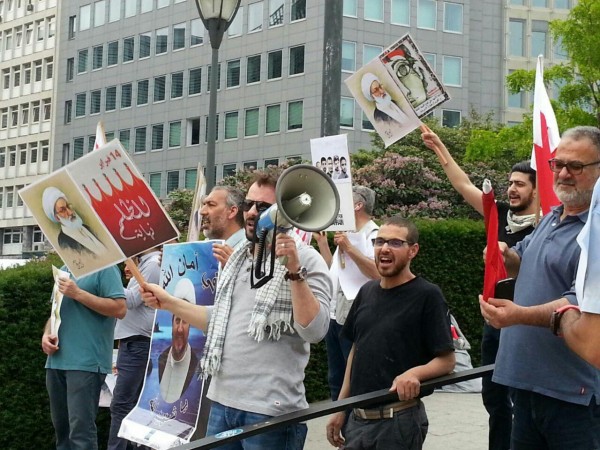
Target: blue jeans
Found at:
543, 422
131, 366
223, 418
74, 396
496, 397
405, 431
338, 349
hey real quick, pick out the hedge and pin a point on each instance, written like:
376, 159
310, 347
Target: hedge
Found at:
450, 256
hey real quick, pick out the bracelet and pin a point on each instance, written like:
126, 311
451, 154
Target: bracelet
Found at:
557, 316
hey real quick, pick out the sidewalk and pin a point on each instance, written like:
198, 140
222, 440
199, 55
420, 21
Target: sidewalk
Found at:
456, 421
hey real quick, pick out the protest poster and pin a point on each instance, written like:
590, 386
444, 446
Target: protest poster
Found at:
167, 411
330, 154
396, 89
57, 297
98, 210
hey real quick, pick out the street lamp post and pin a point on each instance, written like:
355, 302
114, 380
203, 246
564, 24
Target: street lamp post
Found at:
216, 15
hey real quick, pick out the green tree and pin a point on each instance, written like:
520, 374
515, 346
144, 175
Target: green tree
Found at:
179, 207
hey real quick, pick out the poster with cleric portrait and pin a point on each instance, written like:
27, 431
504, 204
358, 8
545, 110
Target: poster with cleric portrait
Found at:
98, 210
396, 89
169, 405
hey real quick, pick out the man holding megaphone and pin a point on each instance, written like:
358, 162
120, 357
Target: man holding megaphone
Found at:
258, 340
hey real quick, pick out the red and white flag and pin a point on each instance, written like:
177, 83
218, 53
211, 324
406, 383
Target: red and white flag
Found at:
545, 140
100, 136
494, 263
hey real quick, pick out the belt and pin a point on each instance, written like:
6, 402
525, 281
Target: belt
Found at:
385, 411
137, 338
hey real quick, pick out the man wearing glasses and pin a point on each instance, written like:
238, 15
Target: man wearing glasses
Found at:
400, 329
258, 340
556, 394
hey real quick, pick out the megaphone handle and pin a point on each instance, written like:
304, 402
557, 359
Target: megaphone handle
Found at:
342, 259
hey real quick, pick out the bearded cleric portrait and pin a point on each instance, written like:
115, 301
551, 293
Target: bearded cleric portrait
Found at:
74, 234
386, 109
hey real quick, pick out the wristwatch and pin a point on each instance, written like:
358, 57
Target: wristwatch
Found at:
557, 316
298, 276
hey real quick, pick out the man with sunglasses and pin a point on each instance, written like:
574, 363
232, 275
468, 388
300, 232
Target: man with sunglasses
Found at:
400, 332
516, 219
258, 340
556, 394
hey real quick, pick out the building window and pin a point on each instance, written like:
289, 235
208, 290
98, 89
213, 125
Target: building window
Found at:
539, 38
196, 32
111, 99
294, 119
155, 181
38, 68
539, 3
145, 44
298, 10
177, 85
99, 13
36, 110
78, 144
516, 37
159, 88
427, 14
255, 17
194, 82
453, 17
128, 49
231, 125
70, 69
350, 8
431, 60
162, 41
235, 29
233, 73
274, 65
124, 137
401, 12
297, 60
85, 18
179, 36
251, 122
452, 71
229, 170
82, 62
126, 90
366, 123
175, 134
371, 52
130, 8
517, 2
68, 111
113, 53
71, 29
276, 12
114, 10
172, 181
34, 152
95, 101
97, 57
348, 56
190, 179
347, 112
253, 69
80, 100
157, 136
146, 6
193, 131
142, 92
559, 51
450, 118
374, 10
162, 4
140, 140
562, 4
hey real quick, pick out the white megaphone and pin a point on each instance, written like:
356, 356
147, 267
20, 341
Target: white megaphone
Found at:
307, 199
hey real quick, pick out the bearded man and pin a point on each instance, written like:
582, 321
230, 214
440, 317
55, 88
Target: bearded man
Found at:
386, 109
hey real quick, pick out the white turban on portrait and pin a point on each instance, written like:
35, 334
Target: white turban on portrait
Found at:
365, 84
49, 199
184, 289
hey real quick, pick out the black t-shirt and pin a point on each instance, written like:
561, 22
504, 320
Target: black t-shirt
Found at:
394, 330
504, 234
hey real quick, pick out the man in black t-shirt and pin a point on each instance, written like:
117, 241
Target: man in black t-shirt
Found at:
400, 332
516, 219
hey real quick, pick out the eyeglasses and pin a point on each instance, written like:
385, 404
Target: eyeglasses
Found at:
573, 167
392, 243
260, 206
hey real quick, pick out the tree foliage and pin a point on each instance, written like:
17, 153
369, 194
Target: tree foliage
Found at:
179, 207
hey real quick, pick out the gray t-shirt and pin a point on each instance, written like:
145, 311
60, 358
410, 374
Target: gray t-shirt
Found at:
267, 377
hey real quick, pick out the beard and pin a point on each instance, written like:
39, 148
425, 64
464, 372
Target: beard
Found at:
74, 222
384, 100
573, 198
521, 206
391, 271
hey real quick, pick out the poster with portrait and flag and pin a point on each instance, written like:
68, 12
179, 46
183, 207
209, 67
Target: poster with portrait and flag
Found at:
168, 408
98, 210
397, 89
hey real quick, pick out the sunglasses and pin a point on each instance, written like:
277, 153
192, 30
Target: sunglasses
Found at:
392, 243
260, 206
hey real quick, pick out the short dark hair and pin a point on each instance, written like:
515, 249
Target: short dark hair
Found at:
265, 179
524, 167
402, 222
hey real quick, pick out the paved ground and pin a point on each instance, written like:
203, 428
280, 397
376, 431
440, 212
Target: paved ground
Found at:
456, 422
